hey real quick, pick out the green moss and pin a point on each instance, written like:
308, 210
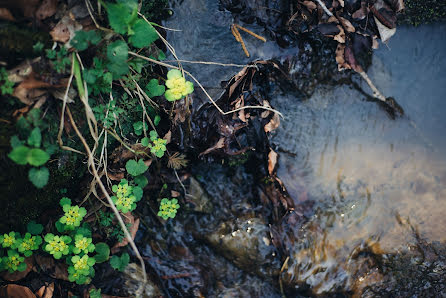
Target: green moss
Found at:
419, 12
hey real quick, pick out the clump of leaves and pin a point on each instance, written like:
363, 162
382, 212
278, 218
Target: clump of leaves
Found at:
126, 196
73, 214
119, 263
81, 270
9, 240
82, 244
136, 168
82, 39
28, 244
99, 80
57, 245
59, 59
5, 84
157, 145
13, 262
177, 86
108, 114
168, 208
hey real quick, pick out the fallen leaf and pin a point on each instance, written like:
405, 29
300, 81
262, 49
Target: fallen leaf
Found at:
310, 5
13, 290
168, 137
340, 37
15, 276
46, 9
57, 270
272, 161
174, 194
128, 219
115, 176
273, 123
220, 144
347, 24
46, 291
6, 15
385, 33
65, 29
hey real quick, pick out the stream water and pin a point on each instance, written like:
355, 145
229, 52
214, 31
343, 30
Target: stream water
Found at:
377, 183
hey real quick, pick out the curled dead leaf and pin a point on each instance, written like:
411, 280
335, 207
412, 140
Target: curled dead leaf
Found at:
273, 123
168, 137
13, 290
6, 15
272, 161
46, 291
220, 144
46, 9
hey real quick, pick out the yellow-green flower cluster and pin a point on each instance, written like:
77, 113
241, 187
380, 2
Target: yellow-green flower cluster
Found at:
124, 200
73, 216
28, 244
177, 86
81, 270
13, 262
9, 240
57, 245
168, 208
82, 244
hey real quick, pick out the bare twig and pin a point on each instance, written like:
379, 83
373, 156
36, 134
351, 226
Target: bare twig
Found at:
324, 8
375, 90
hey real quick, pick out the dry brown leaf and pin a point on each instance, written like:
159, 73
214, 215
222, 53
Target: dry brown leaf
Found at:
6, 15
341, 2
272, 161
340, 59
273, 123
16, 291
148, 162
128, 219
57, 270
310, 5
65, 29
168, 137
340, 37
174, 194
46, 291
115, 176
15, 276
220, 144
385, 33
347, 25
46, 9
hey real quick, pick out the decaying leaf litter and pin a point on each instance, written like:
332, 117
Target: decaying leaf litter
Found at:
238, 123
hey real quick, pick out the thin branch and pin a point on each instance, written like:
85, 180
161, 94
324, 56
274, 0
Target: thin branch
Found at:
324, 8
375, 90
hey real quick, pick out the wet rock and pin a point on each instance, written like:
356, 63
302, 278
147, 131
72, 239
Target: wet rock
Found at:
247, 244
198, 197
134, 285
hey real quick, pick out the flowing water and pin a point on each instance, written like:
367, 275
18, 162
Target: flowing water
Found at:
377, 183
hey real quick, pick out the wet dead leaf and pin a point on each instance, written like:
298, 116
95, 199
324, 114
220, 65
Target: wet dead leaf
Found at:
13, 290
340, 59
384, 32
6, 15
174, 194
272, 161
220, 144
273, 123
15, 276
128, 219
310, 5
46, 291
46, 9
56, 270
65, 29
347, 25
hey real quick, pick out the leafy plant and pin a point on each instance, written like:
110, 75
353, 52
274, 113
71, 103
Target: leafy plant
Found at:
126, 196
9, 240
119, 263
59, 59
107, 114
153, 88
82, 244
83, 38
98, 79
168, 208
73, 214
57, 245
102, 252
5, 84
81, 270
95, 293
28, 244
13, 262
157, 145
177, 86
136, 168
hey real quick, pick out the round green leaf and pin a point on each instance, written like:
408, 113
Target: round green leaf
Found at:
19, 155
37, 157
135, 168
35, 138
34, 228
103, 252
143, 34
39, 176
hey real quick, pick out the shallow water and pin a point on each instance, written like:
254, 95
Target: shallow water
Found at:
375, 180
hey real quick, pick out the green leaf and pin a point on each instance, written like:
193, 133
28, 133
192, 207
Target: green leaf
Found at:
144, 34
83, 38
60, 227
37, 157
154, 89
141, 181
102, 252
157, 119
136, 168
16, 142
39, 176
145, 141
117, 52
122, 14
64, 201
19, 155
34, 228
119, 263
35, 138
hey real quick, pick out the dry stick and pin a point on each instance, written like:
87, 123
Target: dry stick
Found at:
109, 200
62, 116
212, 63
375, 90
204, 90
250, 32
239, 38
324, 8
